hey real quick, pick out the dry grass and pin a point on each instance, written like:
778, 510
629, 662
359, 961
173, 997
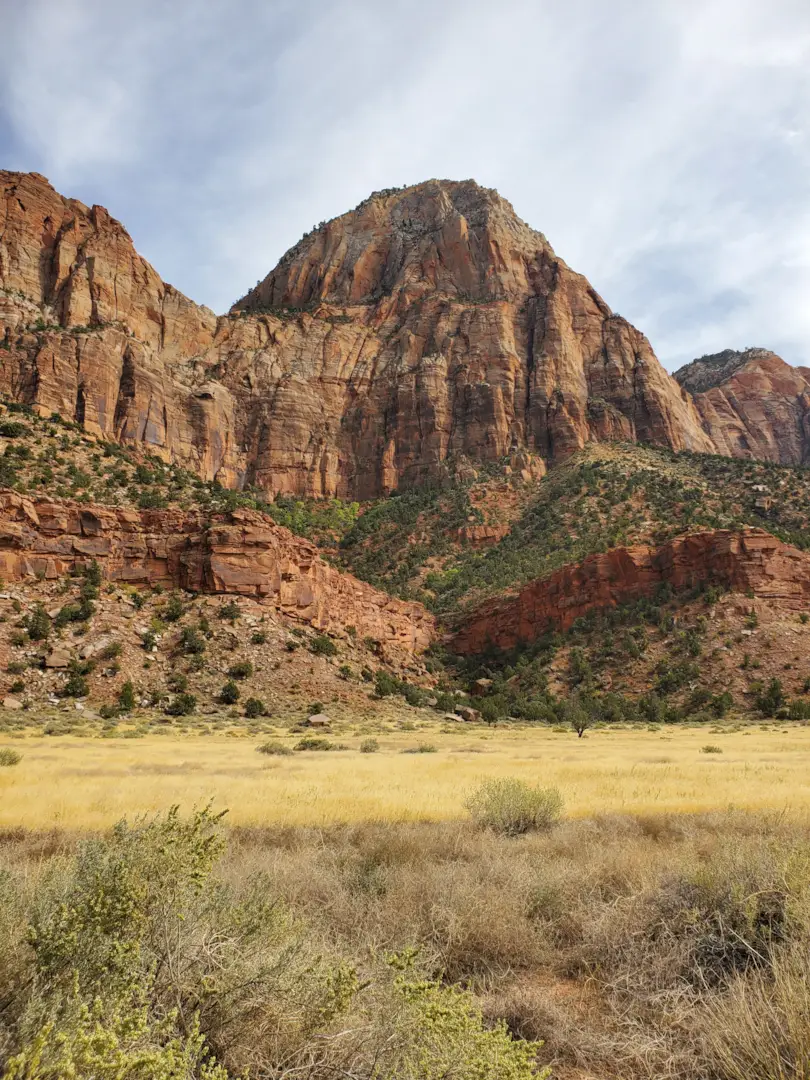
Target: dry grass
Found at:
632, 946
654, 947
78, 783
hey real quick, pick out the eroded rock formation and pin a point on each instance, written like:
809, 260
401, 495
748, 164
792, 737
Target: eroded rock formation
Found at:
428, 323
242, 553
747, 561
752, 404
89, 330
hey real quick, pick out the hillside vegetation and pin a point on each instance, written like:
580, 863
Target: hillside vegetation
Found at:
84, 654
413, 543
602, 497
688, 657
55, 458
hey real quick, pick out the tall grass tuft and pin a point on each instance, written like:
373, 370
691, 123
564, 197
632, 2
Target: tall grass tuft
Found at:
761, 1027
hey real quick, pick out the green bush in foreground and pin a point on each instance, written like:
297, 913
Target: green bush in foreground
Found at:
511, 806
94, 1007
447, 1037
142, 964
9, 757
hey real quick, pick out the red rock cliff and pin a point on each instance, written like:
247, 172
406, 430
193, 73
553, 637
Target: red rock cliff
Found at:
436, 324
89, 330
752, 404
467, 335
748, 560
243, 553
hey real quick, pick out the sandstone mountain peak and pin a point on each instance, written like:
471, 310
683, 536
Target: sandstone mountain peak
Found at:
428, 327
752, 404
713, 369
454, 237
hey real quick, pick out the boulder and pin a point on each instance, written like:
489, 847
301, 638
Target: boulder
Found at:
93, 648
58, 658
481, 687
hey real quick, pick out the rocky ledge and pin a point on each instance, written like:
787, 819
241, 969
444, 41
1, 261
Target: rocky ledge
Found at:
749, 561
242, 553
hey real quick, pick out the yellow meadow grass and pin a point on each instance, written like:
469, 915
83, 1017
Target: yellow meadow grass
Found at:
79, 783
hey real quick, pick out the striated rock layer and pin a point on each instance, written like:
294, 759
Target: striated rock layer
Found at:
428, 324
750, 560
89, 330
752, 404
242, 553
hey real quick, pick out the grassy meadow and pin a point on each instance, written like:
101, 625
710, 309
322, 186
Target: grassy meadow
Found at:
80, 783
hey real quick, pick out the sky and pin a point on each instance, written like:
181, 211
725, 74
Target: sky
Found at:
662, 147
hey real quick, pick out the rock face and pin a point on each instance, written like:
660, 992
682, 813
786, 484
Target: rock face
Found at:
241, 553
428, 323
482, 536
476, 339
750, 560
752, 404
78, 267
89, 330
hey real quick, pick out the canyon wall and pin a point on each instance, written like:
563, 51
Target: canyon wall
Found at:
747, 561
752, 404
240, 553
427, 325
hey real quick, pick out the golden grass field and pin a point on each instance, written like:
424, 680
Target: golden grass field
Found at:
75, 782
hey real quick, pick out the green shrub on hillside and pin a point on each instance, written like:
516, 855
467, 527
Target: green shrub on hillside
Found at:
229, 694
126, 697
182, 705
321, 645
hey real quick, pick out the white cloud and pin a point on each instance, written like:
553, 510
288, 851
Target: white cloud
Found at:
663, 148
